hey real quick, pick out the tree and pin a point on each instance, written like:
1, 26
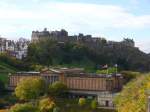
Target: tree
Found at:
133, 97
94, 104
82, 102
30, 88
58, 89
48, 52
12, 61
27, 107
46, 105
129, 75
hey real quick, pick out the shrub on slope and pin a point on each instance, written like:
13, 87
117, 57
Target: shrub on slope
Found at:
133, 97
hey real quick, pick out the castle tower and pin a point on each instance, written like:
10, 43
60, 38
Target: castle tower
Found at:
36, 35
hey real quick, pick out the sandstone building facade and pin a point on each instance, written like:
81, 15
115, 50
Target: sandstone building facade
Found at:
102, 87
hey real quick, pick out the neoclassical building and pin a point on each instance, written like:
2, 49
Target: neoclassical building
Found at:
80, 84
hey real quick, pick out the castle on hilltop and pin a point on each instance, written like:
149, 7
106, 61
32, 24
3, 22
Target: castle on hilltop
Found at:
62, 37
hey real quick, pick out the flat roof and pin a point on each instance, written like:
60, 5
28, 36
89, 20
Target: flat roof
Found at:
93, 75
30, 72
65, 70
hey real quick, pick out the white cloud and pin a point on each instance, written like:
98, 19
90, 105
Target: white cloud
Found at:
144, 45
107, 16
75, 17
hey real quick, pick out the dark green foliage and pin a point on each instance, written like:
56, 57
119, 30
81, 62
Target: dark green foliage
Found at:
129, 75
12, 62
5, 69
48, 52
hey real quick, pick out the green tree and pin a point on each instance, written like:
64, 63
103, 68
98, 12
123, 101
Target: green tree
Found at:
129, 75
82, 102
58, 89
46, 105
27, 107
30, 88
48, 52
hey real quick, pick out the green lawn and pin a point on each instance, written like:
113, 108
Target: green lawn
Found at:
4, 71
6, 68
71, 105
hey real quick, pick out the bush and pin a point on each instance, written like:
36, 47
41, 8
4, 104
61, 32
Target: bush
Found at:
27, 107
94, 104
46, 105
129, 75
82, 102
58, 89
37, 67
133, 97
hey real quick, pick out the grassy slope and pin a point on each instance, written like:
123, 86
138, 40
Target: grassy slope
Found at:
5, 70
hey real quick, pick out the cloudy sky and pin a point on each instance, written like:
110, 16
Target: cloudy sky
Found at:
112, 19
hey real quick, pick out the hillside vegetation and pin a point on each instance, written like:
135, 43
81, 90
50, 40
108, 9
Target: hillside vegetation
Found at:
48, 52
133, 97
8, 65
5, 70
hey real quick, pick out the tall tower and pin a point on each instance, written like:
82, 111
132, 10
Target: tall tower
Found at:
35, 36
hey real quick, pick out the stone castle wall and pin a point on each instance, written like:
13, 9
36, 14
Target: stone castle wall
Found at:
62, 36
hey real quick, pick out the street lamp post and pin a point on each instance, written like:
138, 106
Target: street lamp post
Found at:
116, 68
